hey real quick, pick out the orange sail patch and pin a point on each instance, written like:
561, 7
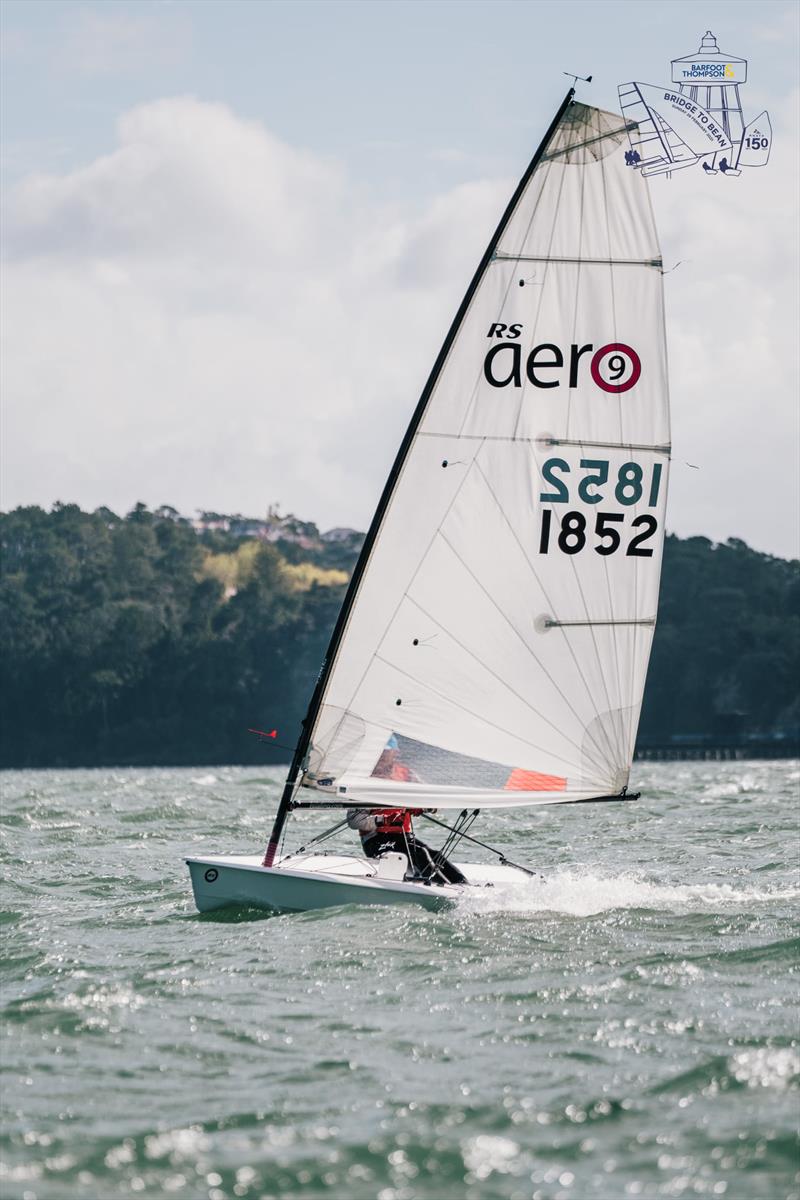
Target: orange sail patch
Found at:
533, 781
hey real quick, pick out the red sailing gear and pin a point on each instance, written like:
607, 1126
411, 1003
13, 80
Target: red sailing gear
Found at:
394, 820
378, 822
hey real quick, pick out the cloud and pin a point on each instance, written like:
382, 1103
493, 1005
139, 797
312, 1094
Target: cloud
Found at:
210, 317
207, 316
732, 315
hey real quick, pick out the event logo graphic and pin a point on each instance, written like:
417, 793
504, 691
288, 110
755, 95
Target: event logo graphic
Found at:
698, 121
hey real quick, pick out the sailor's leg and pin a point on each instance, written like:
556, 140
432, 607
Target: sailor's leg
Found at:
451, 872
421, 859
441, 866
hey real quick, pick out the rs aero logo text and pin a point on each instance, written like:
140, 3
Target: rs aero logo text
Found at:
614, 367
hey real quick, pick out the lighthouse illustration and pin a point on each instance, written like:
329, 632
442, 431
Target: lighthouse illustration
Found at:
699, 120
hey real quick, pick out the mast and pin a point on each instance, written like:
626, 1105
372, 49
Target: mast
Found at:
301, 750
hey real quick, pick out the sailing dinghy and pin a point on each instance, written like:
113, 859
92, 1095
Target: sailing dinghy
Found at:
492, 647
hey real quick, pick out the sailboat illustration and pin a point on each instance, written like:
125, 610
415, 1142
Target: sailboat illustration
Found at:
658, 146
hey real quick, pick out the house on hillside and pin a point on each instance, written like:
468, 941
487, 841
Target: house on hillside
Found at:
210, 521
340, 534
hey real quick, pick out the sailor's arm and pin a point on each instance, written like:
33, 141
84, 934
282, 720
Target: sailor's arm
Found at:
363, 820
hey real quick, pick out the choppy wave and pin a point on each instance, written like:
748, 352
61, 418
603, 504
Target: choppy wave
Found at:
767, 1067
586, 893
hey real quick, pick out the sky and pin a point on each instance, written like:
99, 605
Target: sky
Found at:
235, 235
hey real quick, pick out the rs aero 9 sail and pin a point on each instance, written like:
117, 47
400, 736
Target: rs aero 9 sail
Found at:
493, 644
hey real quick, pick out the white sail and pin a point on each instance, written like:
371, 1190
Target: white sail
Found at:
756, 142
496, 643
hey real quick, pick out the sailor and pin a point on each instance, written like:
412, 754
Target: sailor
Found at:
387, 830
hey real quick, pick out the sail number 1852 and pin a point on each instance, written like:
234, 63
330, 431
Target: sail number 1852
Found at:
572, 533
630, 487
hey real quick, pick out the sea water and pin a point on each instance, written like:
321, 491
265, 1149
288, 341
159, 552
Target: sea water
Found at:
624, 1026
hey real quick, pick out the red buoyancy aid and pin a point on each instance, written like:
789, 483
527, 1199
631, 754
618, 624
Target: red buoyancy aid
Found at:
395, 820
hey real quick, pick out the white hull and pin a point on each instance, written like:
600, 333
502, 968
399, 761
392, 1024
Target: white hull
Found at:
320, 881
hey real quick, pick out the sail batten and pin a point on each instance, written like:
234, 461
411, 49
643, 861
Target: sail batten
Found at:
601, 262
494, 642
571, 147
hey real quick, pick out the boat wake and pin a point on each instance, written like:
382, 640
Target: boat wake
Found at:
585, 894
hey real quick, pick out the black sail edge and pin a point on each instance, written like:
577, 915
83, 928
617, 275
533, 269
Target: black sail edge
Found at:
339, 628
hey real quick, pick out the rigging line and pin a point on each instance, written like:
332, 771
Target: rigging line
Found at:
465, 821
450, 841
603, 761
321, 837
468, 822
456, 704
498, 677
485, 846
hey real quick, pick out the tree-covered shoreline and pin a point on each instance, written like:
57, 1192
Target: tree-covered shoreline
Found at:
144, 640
